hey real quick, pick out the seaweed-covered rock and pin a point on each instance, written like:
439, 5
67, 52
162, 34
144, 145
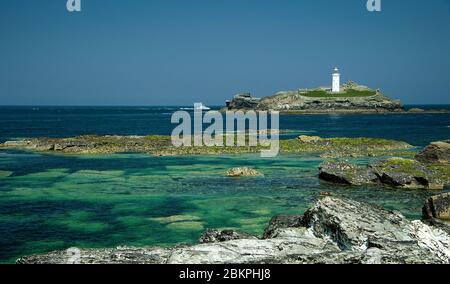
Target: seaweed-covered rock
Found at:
394, 172
243, 172
342, 172
408, 173
162, 146
436, 152
437, 207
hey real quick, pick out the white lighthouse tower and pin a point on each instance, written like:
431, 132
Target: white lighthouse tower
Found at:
336, 87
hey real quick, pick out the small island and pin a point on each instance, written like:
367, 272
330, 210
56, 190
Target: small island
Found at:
347, 98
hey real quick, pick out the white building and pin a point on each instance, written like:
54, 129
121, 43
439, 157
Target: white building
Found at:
336, 87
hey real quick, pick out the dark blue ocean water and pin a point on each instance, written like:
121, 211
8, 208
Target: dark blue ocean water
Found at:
16, 122
50, 202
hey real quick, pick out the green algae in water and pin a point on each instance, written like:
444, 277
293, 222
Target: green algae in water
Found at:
56, 202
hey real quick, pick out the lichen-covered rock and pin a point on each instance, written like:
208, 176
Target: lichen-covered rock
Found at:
437, 207
243, 172
333, 231
218, 236
342, 172
436, 152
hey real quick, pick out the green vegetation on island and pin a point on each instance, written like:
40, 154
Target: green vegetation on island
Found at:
348, 93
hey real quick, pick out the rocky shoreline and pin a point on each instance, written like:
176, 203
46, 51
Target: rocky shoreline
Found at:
332, 231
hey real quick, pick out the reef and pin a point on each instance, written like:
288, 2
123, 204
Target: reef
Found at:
162, 146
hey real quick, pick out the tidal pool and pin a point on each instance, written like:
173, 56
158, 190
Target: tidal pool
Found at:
50, 202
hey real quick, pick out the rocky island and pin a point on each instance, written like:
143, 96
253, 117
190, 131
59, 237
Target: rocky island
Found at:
352, 98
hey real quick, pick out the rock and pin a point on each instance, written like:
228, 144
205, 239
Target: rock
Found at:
437, 207
309, 139
333, 231
280, 222
407, 173
342, 172
356, 226
243, 101
394, 172
437, 152
243, 172
217, 236
416, 110
119, 255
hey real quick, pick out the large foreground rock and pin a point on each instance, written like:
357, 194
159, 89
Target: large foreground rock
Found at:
332, 231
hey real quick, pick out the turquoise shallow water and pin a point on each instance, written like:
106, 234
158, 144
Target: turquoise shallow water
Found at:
50, 202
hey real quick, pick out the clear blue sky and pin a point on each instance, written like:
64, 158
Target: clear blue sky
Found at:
176, 52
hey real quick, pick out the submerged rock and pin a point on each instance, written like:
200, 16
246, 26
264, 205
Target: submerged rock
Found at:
437, 207
5, 174
436, 152
333, 231
243, 172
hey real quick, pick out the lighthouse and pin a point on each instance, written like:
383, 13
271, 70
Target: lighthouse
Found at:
336, 87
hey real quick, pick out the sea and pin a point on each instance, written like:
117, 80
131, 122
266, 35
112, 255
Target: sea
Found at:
50, 202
